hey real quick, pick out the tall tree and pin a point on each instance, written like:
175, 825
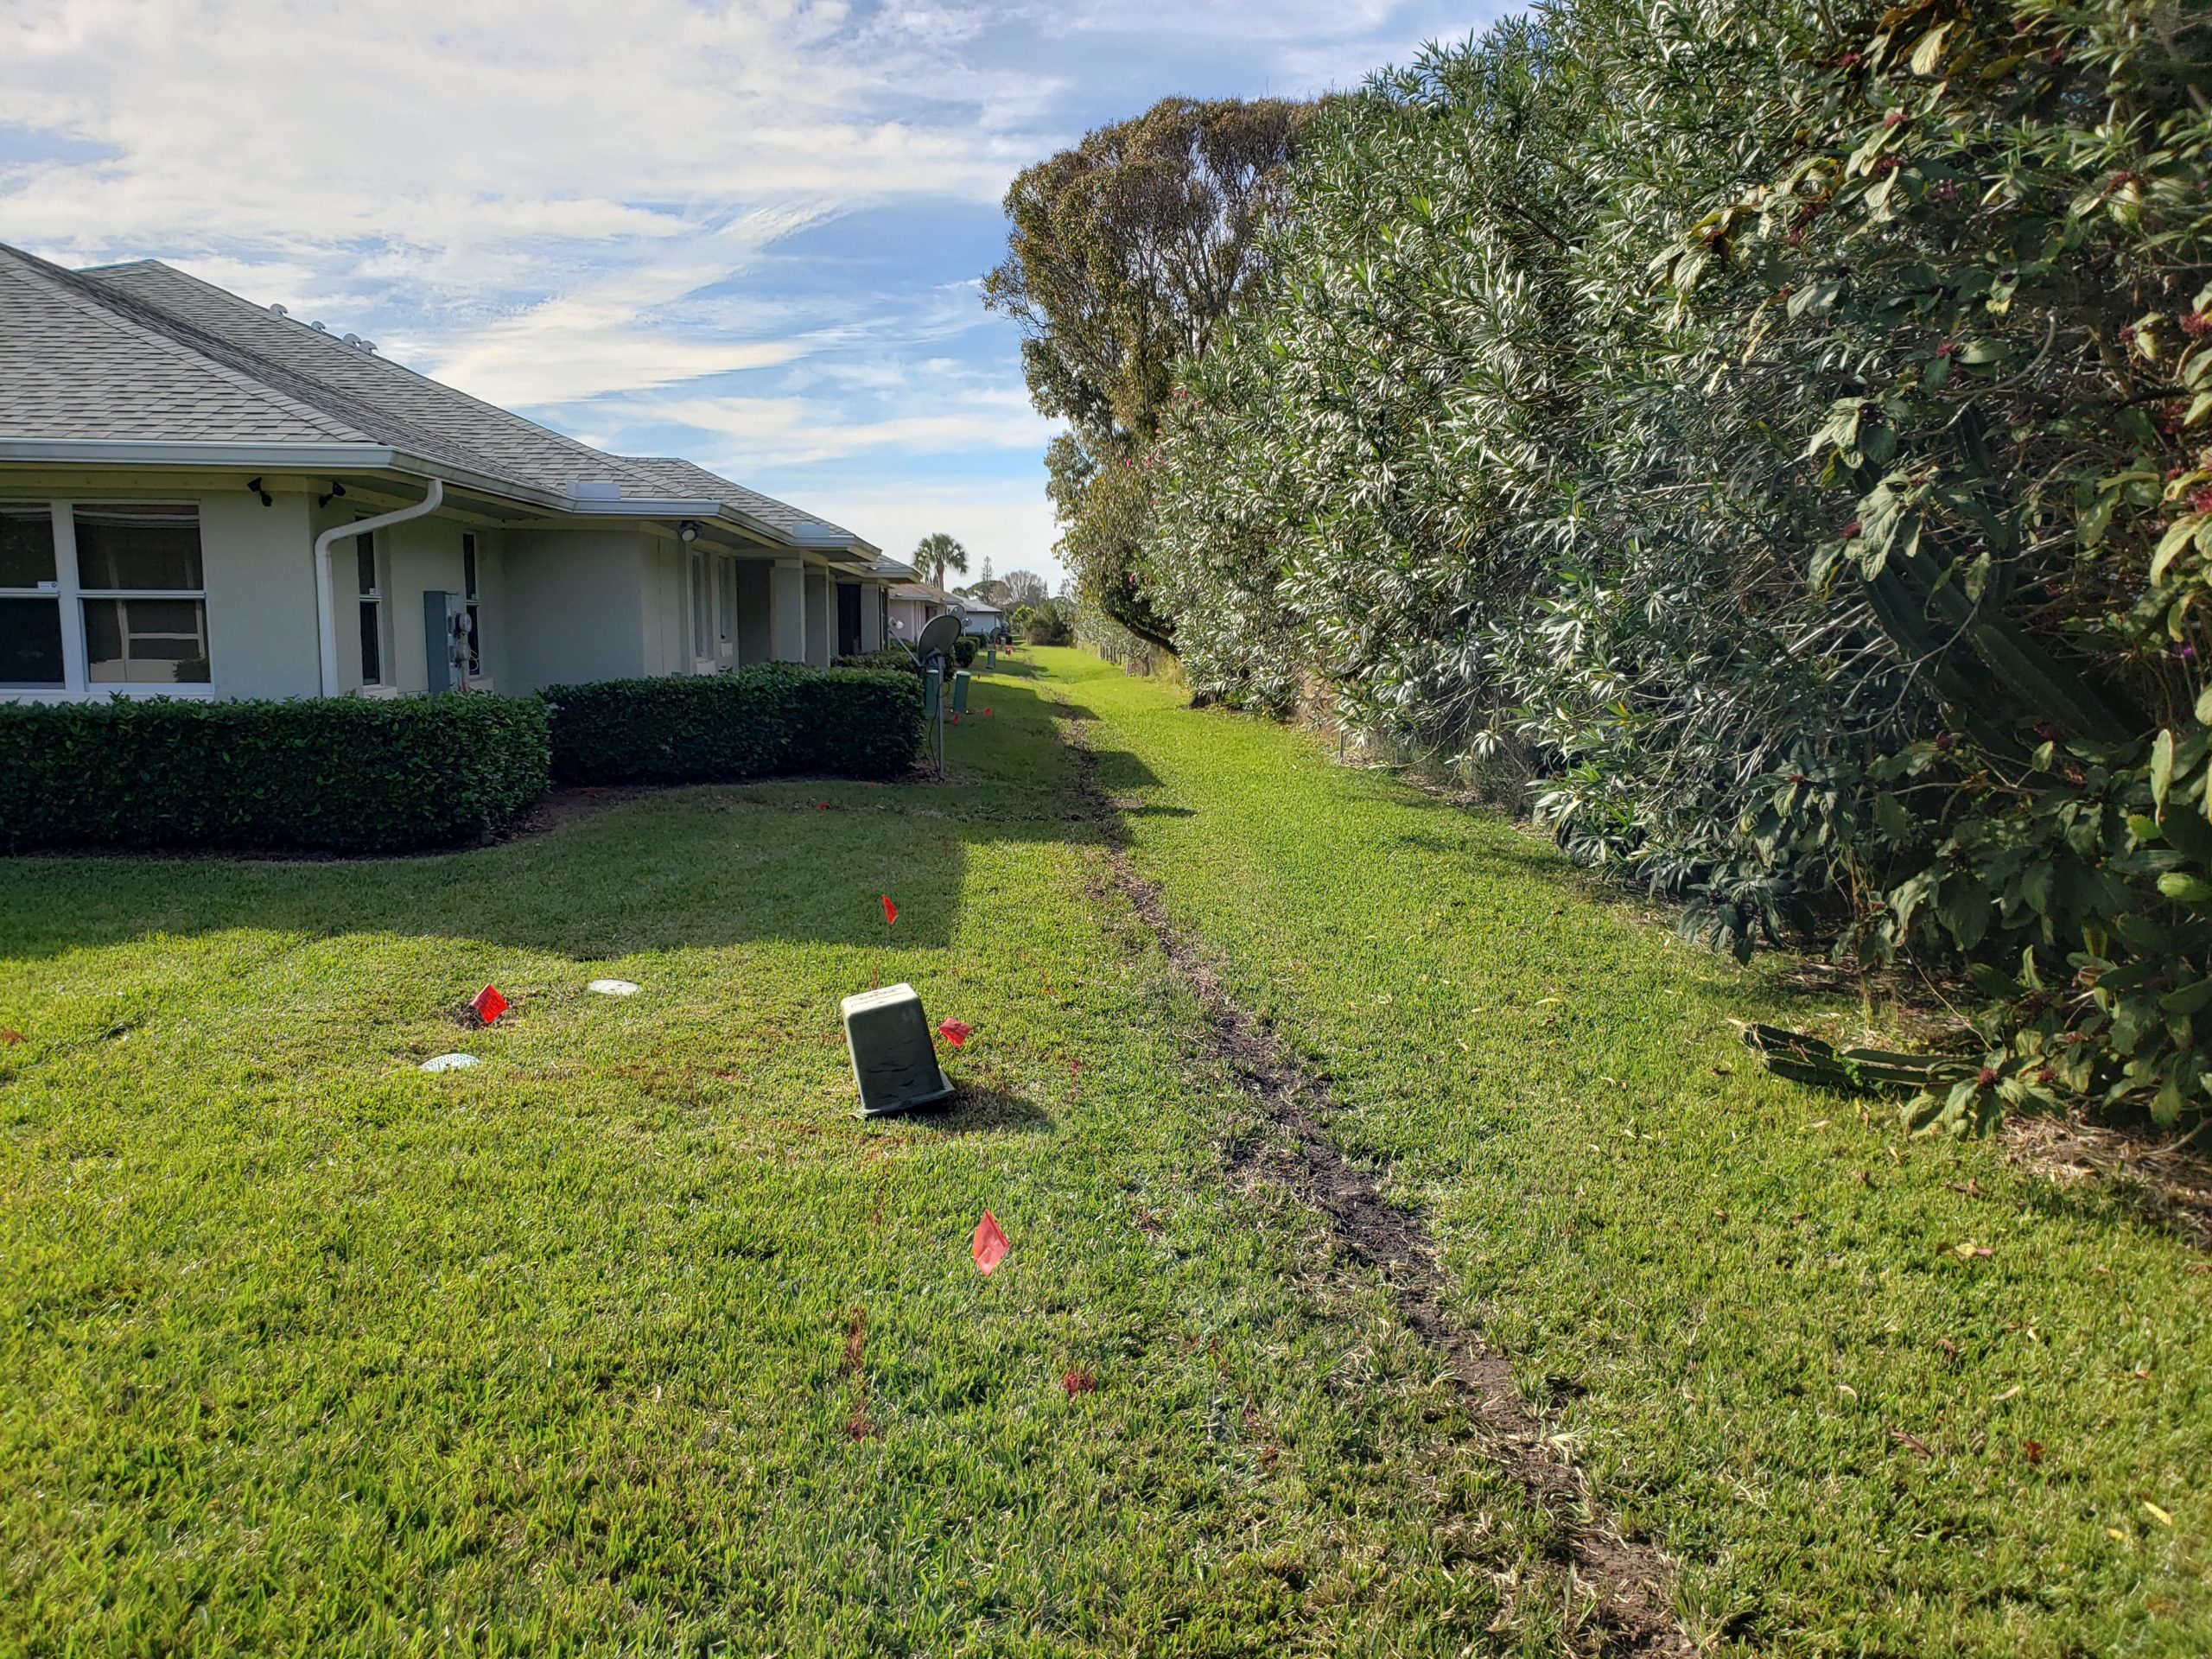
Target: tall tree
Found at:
1025, 588
1125, 253
936, 553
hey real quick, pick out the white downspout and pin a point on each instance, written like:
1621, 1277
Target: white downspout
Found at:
325, 613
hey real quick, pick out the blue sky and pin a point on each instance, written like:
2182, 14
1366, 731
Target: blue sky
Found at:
749, 234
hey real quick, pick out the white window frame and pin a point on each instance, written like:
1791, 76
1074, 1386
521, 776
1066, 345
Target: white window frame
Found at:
699, 625
726, 613
59, 591
78, 685
471, 591
382, 685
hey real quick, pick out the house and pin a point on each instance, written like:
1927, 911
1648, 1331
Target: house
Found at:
979, 618
914, 604
202, 497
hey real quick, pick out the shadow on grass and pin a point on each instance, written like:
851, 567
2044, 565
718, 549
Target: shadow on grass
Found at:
975, 1110
706, 867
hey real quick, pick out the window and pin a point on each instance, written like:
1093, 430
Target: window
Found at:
145, 601
728, 640
372, 608
468, 592
703, 608
30, 598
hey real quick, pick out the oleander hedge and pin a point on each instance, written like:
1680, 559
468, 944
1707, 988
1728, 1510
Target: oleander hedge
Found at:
338, 774
777, 718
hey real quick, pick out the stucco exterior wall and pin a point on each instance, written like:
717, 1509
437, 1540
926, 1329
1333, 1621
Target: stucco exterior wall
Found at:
820, 597
556, 606
574, 605
258, 563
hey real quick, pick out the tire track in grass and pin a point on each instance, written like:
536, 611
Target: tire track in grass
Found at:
1627, 1581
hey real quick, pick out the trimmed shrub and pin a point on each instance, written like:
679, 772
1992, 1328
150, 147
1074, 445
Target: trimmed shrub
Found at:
338, 774
965, 649
889, 656
778, 717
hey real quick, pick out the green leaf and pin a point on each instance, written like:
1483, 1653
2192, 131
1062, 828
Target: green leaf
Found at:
2162, 767
2189, 889
1930, 52
2090, 525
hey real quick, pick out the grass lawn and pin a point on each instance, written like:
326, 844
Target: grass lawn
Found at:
1740, 1296
633, 1339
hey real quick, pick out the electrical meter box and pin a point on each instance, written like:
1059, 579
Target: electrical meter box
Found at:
445, 641
960, 691
894, 1057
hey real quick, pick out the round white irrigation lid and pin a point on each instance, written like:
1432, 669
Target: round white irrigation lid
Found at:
449, 1063
612, 987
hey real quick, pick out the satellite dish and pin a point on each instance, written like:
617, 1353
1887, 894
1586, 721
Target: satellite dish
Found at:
938, 636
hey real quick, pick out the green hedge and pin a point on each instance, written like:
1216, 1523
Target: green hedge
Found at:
339, 774
778, 717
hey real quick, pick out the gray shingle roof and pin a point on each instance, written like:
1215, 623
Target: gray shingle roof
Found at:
72, 367
142, 350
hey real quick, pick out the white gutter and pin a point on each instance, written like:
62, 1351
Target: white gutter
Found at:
325, 617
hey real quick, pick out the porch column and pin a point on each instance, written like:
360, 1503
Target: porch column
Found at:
819, 593
871, 618
787, 611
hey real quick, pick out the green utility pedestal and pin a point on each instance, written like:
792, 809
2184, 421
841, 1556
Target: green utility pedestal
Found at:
895, 1058
960, 692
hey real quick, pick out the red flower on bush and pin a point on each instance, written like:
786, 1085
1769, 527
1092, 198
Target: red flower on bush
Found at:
1850, 531
2200, 501
1893, 117
2196, 324
1985, 1076
1948, 348
1884, 166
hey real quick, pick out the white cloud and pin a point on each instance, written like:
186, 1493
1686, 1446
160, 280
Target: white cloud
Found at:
559, 204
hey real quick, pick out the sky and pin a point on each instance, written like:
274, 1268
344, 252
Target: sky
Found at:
750, 234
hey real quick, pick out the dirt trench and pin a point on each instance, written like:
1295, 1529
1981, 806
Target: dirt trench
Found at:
1626, 1580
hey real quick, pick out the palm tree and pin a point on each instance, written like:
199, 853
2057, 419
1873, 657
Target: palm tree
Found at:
937, 553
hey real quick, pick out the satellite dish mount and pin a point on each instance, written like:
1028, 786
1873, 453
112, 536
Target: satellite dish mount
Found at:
933, 651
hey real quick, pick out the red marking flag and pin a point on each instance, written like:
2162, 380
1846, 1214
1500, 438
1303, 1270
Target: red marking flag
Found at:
990, 1247
987, 713
822, 806
955, 1031
890, 911
489, 1004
